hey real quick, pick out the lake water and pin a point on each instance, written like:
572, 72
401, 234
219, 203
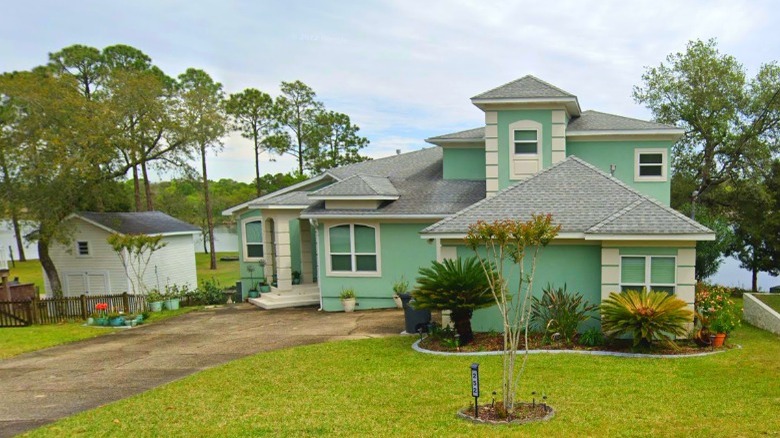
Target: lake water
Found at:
226, 240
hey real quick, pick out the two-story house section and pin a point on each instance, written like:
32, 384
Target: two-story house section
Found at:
604, 178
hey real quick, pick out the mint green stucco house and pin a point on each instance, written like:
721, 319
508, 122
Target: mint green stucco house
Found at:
603, 177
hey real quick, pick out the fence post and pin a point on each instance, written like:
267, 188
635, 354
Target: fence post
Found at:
84, 313
126, 302
35, 309
30, 313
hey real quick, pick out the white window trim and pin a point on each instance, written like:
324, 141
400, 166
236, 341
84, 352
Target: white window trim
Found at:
515, 142
664, 164
328, 269
244, 241
648, 264
89, 249
524, 125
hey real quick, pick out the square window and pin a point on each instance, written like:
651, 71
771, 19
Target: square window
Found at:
526, 142
650, 165
82, 248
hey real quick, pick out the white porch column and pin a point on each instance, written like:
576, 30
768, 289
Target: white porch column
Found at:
283, 252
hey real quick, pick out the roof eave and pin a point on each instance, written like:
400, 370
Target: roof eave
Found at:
354, 197
256, 203
571, 103
456, 141
664, 237
672, 134
372, 216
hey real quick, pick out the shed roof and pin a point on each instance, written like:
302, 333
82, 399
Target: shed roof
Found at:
145, 222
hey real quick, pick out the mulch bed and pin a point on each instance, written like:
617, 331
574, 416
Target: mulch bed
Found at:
523, 413
495, 342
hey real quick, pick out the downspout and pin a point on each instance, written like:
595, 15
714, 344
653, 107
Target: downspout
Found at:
316, 225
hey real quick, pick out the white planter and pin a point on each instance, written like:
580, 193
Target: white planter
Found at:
349, 304
398, 302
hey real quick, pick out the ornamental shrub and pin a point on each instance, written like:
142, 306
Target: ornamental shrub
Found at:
559, 312
646, 316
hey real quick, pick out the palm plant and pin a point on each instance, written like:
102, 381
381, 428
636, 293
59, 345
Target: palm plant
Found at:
647, 316
560, 312
459, 286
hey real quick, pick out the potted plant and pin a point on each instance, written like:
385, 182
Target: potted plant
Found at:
171, 297
155, 300
101, 314
296, 277
716, 313
725, 321
400, 287
264, 286
348, 299
253, 293
115, 318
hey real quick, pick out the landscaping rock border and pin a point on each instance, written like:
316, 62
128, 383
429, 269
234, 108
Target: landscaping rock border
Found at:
416, 347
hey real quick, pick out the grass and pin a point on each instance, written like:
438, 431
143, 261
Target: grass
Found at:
772, 301
18, 340
381, 387
226, 273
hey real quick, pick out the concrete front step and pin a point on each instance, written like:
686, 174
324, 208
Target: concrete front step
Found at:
279, 300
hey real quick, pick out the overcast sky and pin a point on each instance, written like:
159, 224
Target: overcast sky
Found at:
402, 70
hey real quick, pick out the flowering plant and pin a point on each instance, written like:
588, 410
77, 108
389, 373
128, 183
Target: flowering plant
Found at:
102, 310
716, 309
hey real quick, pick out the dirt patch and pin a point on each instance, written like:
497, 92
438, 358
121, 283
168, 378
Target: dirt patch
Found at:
496, 414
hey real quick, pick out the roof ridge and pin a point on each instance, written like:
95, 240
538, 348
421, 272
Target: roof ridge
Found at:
551, 85
504, 190
370, 184
641, 195
380, 159
614, 216
520, 79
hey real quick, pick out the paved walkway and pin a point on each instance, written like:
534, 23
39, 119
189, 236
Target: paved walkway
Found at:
39, 387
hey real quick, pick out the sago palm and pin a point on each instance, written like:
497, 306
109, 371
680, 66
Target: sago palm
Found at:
456, 285
647, 316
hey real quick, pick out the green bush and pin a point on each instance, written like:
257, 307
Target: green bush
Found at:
592, 337
559, 313
646, 316
208, 293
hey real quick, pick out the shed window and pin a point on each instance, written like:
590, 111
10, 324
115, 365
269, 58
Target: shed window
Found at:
353, 248
253, 239
82, 248
648, 272
526, 142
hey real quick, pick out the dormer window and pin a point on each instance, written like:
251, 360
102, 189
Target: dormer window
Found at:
526, 142
650, 165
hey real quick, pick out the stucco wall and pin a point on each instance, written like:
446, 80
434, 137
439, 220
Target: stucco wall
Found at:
760, 315
464, 163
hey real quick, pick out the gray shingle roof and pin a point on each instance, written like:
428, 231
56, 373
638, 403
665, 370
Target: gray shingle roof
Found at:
580, 197
146, 222
469, 134
597, 121
291, 198
418, 178
526, 87
359, 185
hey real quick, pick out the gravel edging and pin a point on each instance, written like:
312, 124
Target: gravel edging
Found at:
416, 347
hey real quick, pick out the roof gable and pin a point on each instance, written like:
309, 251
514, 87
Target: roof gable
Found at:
359, 185
526, 87
146, 222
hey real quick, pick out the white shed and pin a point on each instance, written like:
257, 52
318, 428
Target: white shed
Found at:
90, 266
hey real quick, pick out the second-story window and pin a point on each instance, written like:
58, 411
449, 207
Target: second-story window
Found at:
650, 165
526, 142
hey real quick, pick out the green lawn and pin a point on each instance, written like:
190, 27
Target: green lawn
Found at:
18, 340
772, 301
380, 387
226, 272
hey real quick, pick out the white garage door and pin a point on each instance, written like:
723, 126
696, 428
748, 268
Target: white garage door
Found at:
91, 283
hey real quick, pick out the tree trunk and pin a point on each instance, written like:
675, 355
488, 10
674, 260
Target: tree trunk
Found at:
299, 136
461, 318
18, 233
49, 269
257, 166
209, 215
136, 189
147, 188
755, 280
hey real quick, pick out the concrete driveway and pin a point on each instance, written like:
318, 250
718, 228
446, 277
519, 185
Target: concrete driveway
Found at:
40, 387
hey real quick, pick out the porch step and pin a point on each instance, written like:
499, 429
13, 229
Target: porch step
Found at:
294, 298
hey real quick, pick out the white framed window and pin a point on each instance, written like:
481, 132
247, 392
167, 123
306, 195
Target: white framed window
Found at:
253, 239
657, 273
353, 250
82, 248
526, 141
650, 164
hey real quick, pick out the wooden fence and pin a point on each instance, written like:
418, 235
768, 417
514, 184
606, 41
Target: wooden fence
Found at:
54, 310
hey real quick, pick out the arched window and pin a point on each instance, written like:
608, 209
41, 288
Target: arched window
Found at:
253, 240
353, 249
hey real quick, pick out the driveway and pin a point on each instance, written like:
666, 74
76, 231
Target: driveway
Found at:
42, 386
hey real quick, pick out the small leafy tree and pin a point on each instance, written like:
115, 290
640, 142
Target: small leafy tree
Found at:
135, 251
511, 244
459, 286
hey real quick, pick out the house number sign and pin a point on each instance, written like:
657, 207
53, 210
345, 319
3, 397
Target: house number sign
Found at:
475, 387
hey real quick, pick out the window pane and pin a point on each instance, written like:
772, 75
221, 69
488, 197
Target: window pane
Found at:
339, 239
651, 158
650, 170
364, 239
341, 263
525, 148
632, 270
667, 289
366, 263
254, 250
636, 288
254, 232
525, 135
662, 270
83, 248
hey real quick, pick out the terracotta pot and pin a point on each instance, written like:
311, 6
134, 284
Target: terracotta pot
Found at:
718, 341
